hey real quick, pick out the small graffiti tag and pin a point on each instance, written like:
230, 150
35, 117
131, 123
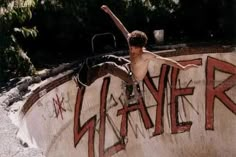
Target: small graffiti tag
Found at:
57, 103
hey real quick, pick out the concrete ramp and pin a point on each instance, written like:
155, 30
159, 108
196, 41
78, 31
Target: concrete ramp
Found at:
182, 113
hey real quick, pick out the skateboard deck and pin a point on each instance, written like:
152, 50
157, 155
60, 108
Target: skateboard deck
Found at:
132, 92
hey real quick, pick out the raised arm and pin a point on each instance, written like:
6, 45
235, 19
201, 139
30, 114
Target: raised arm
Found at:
116, 20
151, 56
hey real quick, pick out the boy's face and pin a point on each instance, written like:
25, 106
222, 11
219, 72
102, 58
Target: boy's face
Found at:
135, 49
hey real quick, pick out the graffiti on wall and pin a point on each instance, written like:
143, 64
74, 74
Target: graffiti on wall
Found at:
168, 79
58, 106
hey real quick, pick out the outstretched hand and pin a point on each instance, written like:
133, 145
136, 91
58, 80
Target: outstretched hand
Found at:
105, 8
190, 66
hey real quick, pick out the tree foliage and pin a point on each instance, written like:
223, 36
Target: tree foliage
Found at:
13, 60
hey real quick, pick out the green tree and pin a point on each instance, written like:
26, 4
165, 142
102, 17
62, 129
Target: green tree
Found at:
13, 60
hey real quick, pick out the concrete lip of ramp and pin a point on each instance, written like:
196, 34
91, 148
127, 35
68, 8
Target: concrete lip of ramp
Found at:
182, 113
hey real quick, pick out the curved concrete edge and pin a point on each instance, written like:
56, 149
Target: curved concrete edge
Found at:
182, 113
10, 144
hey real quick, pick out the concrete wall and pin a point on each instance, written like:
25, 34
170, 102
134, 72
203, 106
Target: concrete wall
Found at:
181, 114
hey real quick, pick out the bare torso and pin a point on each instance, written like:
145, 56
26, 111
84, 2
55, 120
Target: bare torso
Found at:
139, 66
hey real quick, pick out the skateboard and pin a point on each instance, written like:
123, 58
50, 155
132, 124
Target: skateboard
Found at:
132, 92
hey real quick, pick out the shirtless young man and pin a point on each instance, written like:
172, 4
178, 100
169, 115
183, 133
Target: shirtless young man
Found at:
93, 69
140, 57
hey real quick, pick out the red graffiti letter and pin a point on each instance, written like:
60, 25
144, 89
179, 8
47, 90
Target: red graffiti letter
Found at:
118, 146
125, 111
88, 126
213, 92
176, 126
158, 96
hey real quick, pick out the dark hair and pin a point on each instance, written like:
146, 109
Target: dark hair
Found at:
137, 38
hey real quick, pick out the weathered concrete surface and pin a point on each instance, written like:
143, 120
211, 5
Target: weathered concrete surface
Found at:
10, 145
182, 113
